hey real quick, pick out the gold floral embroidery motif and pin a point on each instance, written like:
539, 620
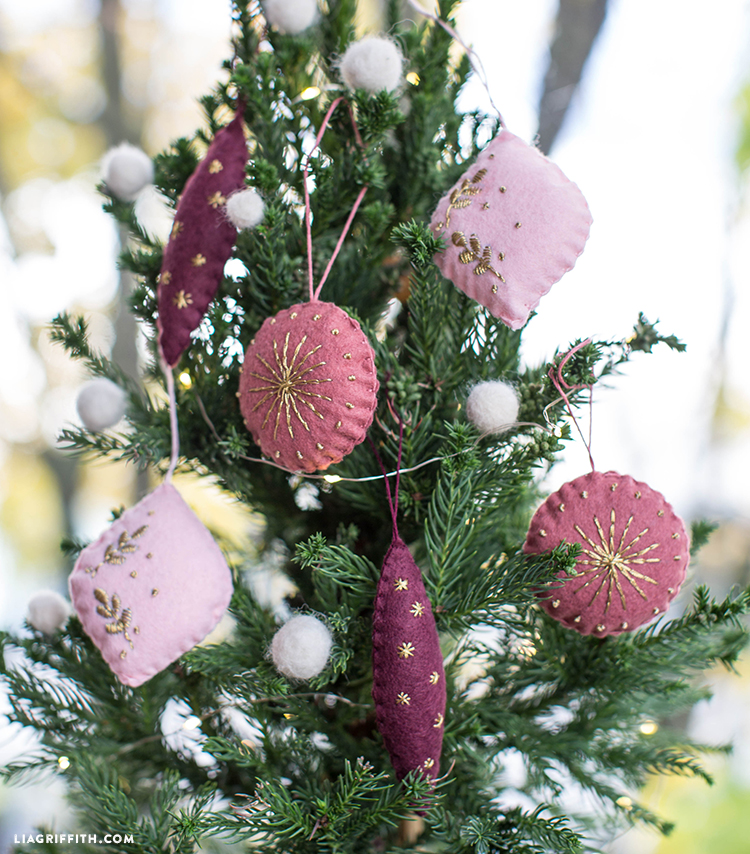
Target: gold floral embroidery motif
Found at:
403, 699
434, 677
473, 251
216, 200
417, 609
462, 196
401, 584
287, 386
111, 610
612, 561
177, 227
182, 300
114, 555
406, 650
198, 260
215, 167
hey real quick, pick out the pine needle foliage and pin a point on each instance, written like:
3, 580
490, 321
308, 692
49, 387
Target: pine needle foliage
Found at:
297, 767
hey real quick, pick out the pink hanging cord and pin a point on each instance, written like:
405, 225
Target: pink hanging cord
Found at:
314, 292
172, 424
474, 60
555, 374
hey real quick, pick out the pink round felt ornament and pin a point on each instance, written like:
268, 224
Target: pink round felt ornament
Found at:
514, 225
634, 553
151, 587
201, 240
308, 389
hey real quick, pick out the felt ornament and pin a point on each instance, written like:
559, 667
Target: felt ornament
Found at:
245, 208
308, 387
126, 170
100, 404
373, 63
634, 553
513, 225
48, 611
300, 648
408, 678
151, 587
201, 240
290, 16
492, 406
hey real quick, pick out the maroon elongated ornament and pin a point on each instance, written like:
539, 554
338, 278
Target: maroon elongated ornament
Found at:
201, 241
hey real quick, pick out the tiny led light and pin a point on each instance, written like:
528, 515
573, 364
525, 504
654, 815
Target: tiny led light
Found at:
63, 762
192, 722
185, 379
649, 727
309, 93
331, 478
413, 78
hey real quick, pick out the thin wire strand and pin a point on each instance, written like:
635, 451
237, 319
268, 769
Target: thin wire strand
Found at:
558, 381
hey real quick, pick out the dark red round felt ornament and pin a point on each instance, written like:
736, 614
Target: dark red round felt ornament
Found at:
201, 241
309, 387
634, 553
408, 679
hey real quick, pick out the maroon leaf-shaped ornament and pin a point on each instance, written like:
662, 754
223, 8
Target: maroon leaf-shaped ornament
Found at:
201, 241
408, 676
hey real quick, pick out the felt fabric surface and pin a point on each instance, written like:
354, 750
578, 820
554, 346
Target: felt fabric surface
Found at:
308, 389
408, 685
634, 553
201, 241
513, 225
151, 587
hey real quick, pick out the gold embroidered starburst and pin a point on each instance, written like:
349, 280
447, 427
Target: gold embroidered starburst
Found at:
215, 167
417, 609
403, 699
401, 584
198, 260
165, 278
288, 385
182, 300
610, 562
434, 677
216, 200
406, 650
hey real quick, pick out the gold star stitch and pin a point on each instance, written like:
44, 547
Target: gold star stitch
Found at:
417, 609
438, 721
165, 278
434, 677
198, 260
215, 167
406, 650
610, 562
216, 200
429, 763
403, 699
182, 300
177, 227
402, 584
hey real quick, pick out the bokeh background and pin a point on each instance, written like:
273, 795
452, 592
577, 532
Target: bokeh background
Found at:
645, 105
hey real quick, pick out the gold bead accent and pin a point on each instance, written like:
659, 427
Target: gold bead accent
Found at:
317, 316
613, 487
349, 405
486, 206
337, 425
561, 508
494, 289
272, 321
677, 557
503, 189
518, 225
675, 536
155, 591
501, 256
277, 454
556, 603
542, 533
601, 627
347, 355
577, 619
319, 446
149, 555
655, 611
660, 513
670, 590
638, 495
134, 574
351, 378
123, 654
293, 315
299, 455
623, 626
584, 494
334, 332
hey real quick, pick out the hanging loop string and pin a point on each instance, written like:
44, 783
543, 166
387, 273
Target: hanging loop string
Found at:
315, 292
172, 423
474, 60
562, 387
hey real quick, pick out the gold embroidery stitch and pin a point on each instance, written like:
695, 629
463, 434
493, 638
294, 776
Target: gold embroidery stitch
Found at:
610, 561
165, 278
473, 251
216, 200
215, 167
417, 609
401, 584
403, 699
198, 260
182, 300
556, 603
462, 196
114, 555
434, 677
438, 721
111, 609
287, 387
429, 763
406, 650
177, 227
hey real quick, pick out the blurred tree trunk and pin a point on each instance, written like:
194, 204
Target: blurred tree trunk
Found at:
577, 26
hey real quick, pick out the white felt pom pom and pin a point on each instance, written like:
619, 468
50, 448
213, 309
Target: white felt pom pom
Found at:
126, 170
100, 404
374, 63
48, 611
301, 647
492, 406
290, 16
245, 208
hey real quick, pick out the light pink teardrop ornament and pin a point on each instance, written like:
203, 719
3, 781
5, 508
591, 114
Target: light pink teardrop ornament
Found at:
151, 587
513, 226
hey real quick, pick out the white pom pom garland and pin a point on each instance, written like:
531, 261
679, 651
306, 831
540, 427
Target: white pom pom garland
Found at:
374, 63
492, 406
48, 611
290, 16
301, 647
126, 170
100, 404
245, 208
